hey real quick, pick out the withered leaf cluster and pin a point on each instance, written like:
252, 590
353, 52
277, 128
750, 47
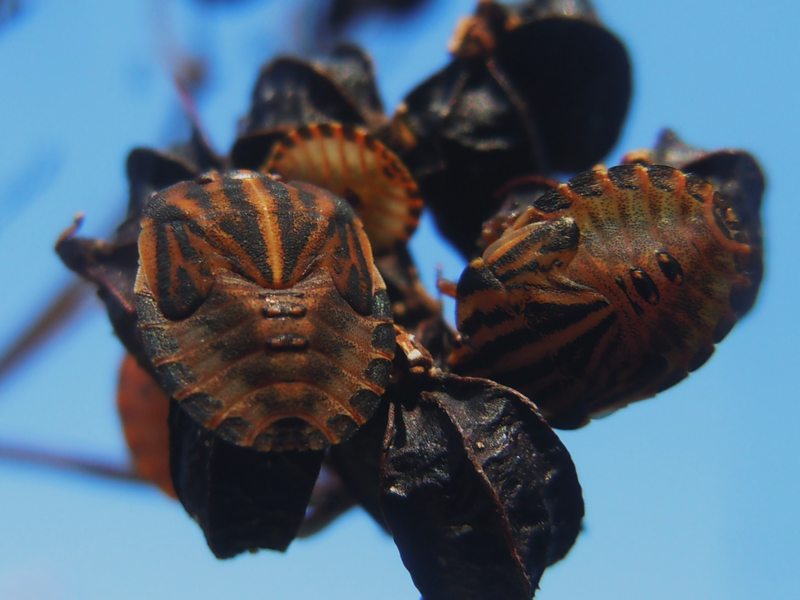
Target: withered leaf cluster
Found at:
466, 474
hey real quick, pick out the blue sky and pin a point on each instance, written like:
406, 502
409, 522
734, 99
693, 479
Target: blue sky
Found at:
690, 495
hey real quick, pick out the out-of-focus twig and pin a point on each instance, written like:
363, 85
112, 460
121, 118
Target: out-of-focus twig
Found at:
63, 462
64, 307
9, 10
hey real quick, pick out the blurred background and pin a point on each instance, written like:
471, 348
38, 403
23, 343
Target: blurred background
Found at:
690, 495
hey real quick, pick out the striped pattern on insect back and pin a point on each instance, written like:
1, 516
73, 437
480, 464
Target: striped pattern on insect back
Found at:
354, 165
514, 320
260, 229
291, 345
621, 307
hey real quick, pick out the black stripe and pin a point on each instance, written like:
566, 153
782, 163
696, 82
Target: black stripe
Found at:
552, 202
164, 270
547, 237
188, 251
475, 280
570, 360
522, 377
552, 318
161, 210
636, 308
587, 185
377, 371
480, 320
381, 305
508, 276
663, 178
624, 177
200, 196
363, 269
354, 292
307, 199
201, 406
294, 231
575, 356
493, 351
523, 246
364, 401
348, 132
695, 188
241, 223
383, 337
186, 298
546, 318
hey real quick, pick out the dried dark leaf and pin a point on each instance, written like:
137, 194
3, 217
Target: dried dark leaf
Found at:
151, 170
530, 10
329, 500
575, 78
112, 267
292, 91
357, 462
477, 490
469, 138
536, 88
289, 92
352, 69
342, 12
242, 499
516, 196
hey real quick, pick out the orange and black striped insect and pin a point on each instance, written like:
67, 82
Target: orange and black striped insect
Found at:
352, 164
604, 291
265, 332
261, 310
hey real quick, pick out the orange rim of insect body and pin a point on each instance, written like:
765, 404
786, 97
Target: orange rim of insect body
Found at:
143, 408
354, 165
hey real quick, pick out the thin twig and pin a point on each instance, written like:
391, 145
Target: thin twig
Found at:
64, 462
56, 316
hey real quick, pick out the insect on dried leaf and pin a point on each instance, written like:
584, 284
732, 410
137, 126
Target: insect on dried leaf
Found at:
289, 340
605, 290
261, 311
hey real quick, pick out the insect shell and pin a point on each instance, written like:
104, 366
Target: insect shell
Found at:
261, 310
604, 291
354, 165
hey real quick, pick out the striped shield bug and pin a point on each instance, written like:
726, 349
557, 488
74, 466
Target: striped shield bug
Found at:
261, 310
354, 165
605, 290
